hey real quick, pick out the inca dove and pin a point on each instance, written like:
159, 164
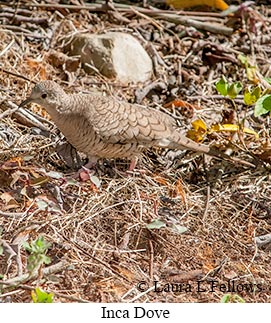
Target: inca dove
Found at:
103, 127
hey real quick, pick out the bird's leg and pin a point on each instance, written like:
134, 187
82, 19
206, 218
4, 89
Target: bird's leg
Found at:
133, 164
85, 171
92, 162
131, 169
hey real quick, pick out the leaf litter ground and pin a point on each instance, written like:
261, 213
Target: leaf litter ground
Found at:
182, 219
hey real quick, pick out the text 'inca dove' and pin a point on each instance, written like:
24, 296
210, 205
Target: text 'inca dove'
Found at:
103, 127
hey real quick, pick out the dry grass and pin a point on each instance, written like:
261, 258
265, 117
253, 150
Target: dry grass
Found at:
101, 232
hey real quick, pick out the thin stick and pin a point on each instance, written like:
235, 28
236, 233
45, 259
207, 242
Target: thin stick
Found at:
151, 260
45, 271
17, 75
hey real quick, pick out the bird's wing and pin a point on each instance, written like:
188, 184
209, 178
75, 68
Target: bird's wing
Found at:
121, 122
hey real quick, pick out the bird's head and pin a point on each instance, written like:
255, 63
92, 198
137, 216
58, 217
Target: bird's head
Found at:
46, 93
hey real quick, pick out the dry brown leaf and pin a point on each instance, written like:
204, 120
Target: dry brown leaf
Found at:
230, 275
161, 180
35, 66
13, 163
185, 276
181, 104
124, 272
18, 176
10, 202
180, 191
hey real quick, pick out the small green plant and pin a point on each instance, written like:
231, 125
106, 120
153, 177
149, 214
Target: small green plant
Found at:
250, 67
263, 105
232, 298
40, 296
37, 257
252, 95
231, 90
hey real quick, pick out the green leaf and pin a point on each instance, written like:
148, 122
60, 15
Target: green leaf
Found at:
28, 157
40, 296
251, 73
27, 246
46, 260
179, 228
267, 102
72, 181
42, 205
37, 250
42, 244
250, 97
229, 298
243, 59
238, 299
155, 224
234, 89
95, 180
267, 79
250, 68
222, 86
225, 298
263, 105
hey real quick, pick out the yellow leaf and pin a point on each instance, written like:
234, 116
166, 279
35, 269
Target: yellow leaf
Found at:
193, 135
224, 127
218, 4
199, 131
232, 128
199, 125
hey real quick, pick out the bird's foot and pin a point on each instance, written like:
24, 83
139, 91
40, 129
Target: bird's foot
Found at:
86, 171
84, 174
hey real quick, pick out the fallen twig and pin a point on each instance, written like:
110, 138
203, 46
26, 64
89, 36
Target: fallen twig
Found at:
12, 214
23, 116
45, 272
177, 17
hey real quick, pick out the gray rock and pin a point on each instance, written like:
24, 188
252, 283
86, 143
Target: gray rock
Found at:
114, 54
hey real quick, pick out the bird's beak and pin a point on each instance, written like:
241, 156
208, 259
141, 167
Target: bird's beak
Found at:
25, 102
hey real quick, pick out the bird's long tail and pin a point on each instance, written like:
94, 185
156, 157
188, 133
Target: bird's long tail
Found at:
181, 142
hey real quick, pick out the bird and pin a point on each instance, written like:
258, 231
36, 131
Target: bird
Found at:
105, 127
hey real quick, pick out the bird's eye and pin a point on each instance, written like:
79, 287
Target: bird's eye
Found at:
44, 95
